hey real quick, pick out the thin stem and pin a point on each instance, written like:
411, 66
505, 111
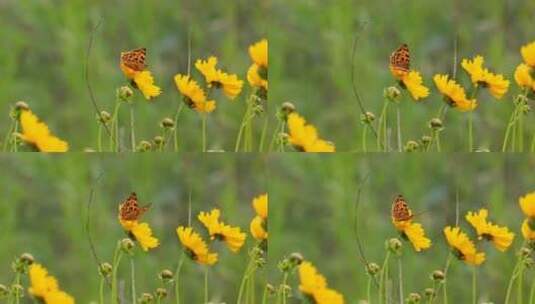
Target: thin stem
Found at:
99, 137
283, 286
369, 290
382, 279
382, 125
101, 290
278, 129
244, 122
132, 128
512, 279
114, 141
400, 145
9, 135
510, 124
175, 131
400, 273
364, 132
116, 260
264, 131
203, 118
265, 295
532, 293
245, 278
520, 285
470, 132
15, 144
474, 285
206, 284
177, 277
133, 282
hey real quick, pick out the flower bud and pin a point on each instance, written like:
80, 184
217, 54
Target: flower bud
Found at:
367, 118
21, 106
17, 290
127, 245
411, 146
414, 298
4, 292
392, 94
104, 117
429, 293
125, 93
525, 252
426, 140
161, 293
167, 123
27, 259
394, 245
372, 269
159, 140
286, 109
166, 275
144, 146
436, 124
296, 258
146, 298
105, 269
438, 276
271, 289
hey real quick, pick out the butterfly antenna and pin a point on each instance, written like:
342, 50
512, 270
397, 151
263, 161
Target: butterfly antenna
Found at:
360, 249
88, 223
88, 83
353, 84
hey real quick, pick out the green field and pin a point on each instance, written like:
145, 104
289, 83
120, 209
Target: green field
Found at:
314, 215
43, 211
43, 62
311, 50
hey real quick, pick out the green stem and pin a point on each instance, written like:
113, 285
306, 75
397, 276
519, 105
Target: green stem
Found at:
278, 129
206, 285
382, 279
265, 295
511, 281
400, 144
369, 290
177, 114
245, 278
510, 124
519, 291
15, 141
400, 273
520, 131
132, 128
474, 285
114, 140
99, 137
364, 131
117, 255
203, 118
244, 122
9, 135
470, 132
532, 293
101, 290
133, 282
17, 282
177, 278
263, 135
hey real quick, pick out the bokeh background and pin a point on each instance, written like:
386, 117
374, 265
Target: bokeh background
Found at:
44, 57
314, 196
44, 207
311, 45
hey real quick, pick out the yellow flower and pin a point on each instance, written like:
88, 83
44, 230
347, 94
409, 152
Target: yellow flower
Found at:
314, 286
310, 280
523, 77
496, 83
260, 205
528, 54
195, 246
414, 232
142, 80
145, 83
45, 287
254, 78
230, 84
500, 236
527, 204
304, 137
259, 53
142, 233
527, 232
194, 96
37, 134
413, 82
464, 249
257, 228
454, 93
232, 236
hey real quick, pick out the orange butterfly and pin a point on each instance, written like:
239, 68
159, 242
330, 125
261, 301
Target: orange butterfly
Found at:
400, 60
400, 209
135, 59
129, 210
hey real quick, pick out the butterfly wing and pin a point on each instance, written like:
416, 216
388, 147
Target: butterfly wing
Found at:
401, 59
135, 59
129, 209
400, 209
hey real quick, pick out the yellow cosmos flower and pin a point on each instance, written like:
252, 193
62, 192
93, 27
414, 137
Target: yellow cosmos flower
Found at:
37, 134
254, 78
414, 84
194, 96
260, 205
232, 236
143, 81
464, 249
528, 54
195, 247
304, 137
414, 232
454, 94
501, 237
523, 77
314, 286
527, 204
258, 230
527, 232
496, 83
230, 83
45, 287
259, 53
142, 233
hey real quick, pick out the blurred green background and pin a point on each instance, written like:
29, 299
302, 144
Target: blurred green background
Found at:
313, 199
45, 43
44, 206
311, 46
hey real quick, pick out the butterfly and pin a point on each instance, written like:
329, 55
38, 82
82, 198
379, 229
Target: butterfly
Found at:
400, 59
135, 59
129, 210
400, 209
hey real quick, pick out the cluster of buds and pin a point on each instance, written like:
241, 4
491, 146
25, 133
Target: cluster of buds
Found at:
394, 245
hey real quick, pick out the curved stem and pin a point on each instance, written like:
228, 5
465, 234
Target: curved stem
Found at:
116, 260
245, 278
383, 278
177, 115
177, 278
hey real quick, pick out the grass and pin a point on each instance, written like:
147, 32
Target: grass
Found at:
319, 222
43, 212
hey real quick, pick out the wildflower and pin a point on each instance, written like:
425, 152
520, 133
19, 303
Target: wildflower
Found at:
527, 204
45, 287
314, 286
304, 137
194, 96
414, 232
496, 83
454, 94
230, 83
141, 232
37, 134
500, 236
257, 228
412, 81
260, 205
141, 77
258, 225
527, 231
257, 75
463, 247
232, 236
254, 78
195, 247
523, 77
528, 54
